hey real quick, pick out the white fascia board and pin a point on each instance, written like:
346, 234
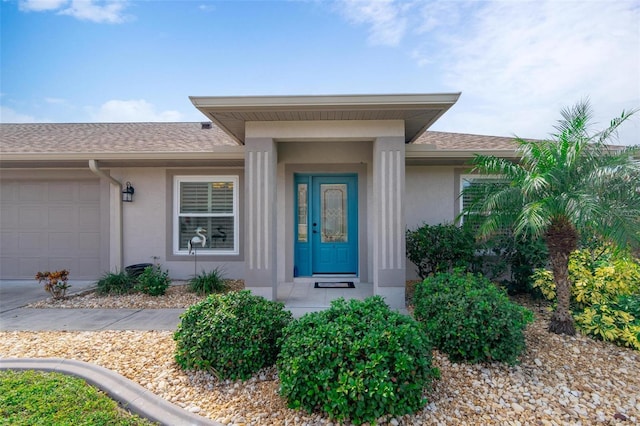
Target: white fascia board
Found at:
324, 101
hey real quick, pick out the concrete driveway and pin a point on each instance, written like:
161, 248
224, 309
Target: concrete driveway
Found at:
15, 294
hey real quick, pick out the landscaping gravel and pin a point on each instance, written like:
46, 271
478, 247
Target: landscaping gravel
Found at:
561, 380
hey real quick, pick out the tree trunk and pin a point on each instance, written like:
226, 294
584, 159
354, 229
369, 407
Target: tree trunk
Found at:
561, 238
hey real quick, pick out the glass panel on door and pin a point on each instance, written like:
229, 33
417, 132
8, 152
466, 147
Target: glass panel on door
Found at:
303, 212
334, 213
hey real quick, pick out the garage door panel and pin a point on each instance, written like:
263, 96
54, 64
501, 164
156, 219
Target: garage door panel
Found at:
33, 217
9, 265
61, 192
62, 241
62, 217
9, 192
8, 242
29, 266
49, 226
32, 241
8, 216
88, 242
87, 268
88, 218
88, 192
32, 192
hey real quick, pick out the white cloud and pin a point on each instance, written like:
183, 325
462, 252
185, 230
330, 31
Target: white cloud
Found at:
132, 111
517, 64
100, 11
111, 11
40, 5
385, 18
8, 115
207, 7
529, 60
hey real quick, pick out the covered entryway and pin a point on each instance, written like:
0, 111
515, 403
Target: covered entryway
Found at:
315, 134
50, 225
326, 225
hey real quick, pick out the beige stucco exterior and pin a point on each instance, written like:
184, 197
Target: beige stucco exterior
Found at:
263, 143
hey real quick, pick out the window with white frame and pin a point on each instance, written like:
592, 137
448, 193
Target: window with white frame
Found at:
209, 203
472, 187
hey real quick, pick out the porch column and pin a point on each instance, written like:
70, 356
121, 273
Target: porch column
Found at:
260, 217
389, 270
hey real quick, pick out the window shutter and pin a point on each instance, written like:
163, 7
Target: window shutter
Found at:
194, 197
222, 197
206, 197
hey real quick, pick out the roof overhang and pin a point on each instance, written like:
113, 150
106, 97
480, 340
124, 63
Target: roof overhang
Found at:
222, 156
423, 155
418, 111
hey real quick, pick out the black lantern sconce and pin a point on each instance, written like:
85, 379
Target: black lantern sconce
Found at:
127, 193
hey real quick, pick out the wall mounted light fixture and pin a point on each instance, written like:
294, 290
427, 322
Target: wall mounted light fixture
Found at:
127, 193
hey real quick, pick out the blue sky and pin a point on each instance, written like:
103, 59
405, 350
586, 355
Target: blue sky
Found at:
516, 63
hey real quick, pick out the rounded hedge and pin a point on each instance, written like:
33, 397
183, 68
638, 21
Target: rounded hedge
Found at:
232, 335
356, 361
470, 319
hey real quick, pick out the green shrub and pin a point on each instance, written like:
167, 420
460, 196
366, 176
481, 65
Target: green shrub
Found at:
470, 319
153, 281
356, 361
631, 304
115, 283
519, 257
439, 248
208, 282
604, 293
232, 335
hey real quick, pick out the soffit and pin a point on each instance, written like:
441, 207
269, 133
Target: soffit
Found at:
418, 111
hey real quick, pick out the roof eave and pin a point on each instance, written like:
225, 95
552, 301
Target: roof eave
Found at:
230, 113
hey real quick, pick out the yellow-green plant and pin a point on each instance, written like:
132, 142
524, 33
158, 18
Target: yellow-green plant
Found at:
608, 322
599, 282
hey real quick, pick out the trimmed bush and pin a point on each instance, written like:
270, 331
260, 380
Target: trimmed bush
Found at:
208, 282
440, 248
605, 293
115, 283
356, 361
232, 335
470, 319
153, 281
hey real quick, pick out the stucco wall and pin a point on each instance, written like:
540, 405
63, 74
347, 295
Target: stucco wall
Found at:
431, 197
147, 223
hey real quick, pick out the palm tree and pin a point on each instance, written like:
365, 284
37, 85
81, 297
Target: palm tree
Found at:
572, 184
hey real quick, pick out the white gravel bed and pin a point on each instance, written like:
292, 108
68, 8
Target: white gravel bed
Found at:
561, 381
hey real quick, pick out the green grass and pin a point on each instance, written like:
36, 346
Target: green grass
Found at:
42, 398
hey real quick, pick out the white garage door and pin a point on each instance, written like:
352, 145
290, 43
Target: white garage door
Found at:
47, 226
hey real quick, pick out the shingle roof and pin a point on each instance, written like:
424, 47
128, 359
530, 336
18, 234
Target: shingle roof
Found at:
110, 137
465, 142
176, 137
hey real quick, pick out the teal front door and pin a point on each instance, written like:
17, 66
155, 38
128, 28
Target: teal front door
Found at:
326, 228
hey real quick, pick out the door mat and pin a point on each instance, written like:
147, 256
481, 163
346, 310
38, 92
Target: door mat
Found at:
340, 284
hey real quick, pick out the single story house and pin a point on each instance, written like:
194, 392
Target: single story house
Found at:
288, 189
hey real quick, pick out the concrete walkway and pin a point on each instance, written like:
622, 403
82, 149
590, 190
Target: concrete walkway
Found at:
299, 298
15, 294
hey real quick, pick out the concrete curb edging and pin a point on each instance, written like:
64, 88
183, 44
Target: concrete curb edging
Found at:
129, 394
